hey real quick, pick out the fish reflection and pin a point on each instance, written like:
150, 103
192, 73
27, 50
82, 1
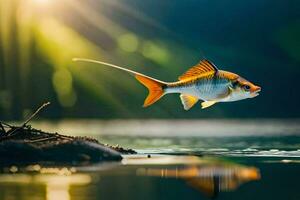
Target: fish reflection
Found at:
208, 179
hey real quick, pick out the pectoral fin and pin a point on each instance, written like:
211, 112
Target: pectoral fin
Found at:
188, 101
206, 104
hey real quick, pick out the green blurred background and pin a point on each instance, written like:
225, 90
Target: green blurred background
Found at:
258, 39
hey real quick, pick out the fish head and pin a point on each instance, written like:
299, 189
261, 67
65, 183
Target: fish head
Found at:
243, 89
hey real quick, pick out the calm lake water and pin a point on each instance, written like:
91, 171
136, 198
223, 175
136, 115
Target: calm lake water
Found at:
207, 159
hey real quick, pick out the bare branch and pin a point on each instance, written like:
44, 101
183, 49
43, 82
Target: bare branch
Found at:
6, 125
35, 113
10, 133
2, 128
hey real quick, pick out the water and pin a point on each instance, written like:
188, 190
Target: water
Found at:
229, 163
247, 146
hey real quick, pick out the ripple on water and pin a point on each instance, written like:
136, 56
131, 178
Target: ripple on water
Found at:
250, 150
266, 153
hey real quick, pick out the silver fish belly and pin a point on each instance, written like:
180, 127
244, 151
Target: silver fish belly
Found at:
205, 89
212, 89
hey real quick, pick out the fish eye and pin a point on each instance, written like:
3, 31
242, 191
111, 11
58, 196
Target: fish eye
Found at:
247, 87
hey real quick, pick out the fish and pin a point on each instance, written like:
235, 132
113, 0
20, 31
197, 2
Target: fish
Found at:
204, 82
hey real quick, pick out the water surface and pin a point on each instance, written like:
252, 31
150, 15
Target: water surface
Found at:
227, 163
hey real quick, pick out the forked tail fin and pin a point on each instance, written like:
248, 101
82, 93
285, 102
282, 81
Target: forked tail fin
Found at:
155, 88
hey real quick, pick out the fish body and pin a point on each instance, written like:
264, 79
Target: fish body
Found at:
203, 81
204, 88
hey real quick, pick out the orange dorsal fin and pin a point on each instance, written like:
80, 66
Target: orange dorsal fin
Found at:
203, 68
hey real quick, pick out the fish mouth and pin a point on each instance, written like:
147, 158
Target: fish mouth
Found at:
256, 93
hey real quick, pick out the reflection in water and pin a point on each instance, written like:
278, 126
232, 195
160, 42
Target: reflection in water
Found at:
209, 175
210, 179
57, 187
57, 184
57, 191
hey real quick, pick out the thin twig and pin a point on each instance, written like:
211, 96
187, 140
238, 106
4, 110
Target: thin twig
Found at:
6, 124
2, 128
30, 118
15, 130
35, 113
42, 139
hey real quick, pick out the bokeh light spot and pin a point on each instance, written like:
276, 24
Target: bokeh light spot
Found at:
128, 42
155, 52
62, 82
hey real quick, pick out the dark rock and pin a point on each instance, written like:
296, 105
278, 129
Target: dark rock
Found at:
75, 152
24, 145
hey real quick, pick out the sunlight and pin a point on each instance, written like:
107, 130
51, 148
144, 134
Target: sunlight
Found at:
52, 36
42, 1
58, 192
56, 181
58, 187
45, 36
